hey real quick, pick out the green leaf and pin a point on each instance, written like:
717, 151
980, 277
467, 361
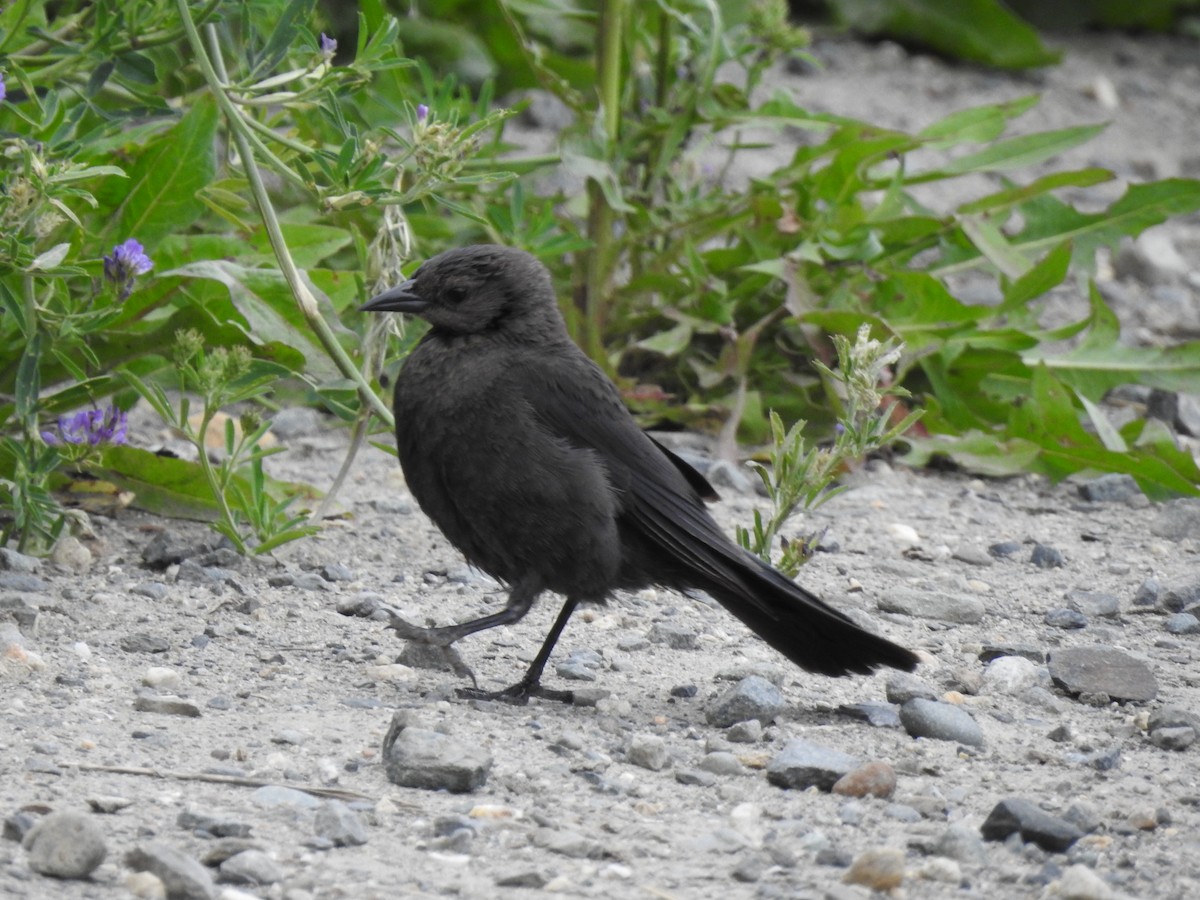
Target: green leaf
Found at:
1017, 152
160, 195
1014, 196
1047, 274
1100, 362
977, 124
977, 30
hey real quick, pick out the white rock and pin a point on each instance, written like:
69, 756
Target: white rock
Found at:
1078, 882
1009, 675
162, 678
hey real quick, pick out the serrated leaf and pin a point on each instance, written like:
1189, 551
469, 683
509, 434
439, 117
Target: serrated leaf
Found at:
1101, 362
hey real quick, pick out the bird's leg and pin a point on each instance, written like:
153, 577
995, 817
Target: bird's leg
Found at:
529, 685
520, 599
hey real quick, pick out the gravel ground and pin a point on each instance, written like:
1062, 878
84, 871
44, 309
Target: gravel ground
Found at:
243, 728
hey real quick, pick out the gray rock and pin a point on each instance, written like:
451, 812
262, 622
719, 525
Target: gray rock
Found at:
959, 609
166, 705
338, 823
22, 609
1100, 669
1151, 258
1094, 603
183, 877
697, 777
567, 843
721, 762
215, 825
65, 845
751, 698
941, 721
748, 732
677, 637
21, 581
1009, 675
649, 751
71, 555
974, 556
526, 878
1100, 760
310, 581
1177, 520
336, 572
1173, 717
958, 842
416, 757
155, 590
296, 421
12, 561
1114, 487
1148, 592
1017, 815
904, 686
1065, 618
1004, 549
880, 715
580, 666
801, 764
1180, 596
1046, 557
1179, 737
1083, 816
250, 867
141, 642
1182, 623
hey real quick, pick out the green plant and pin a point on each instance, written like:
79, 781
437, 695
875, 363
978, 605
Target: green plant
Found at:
110, 139
799, 475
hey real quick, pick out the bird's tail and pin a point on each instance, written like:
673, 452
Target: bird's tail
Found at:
800, 625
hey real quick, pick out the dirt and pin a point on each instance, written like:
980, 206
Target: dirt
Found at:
290, 691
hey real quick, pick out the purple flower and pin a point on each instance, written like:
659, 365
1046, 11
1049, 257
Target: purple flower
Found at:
90, 426
3, 89
328, 45
422, 112
128, 261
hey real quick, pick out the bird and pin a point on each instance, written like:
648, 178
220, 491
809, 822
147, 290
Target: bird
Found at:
520, 450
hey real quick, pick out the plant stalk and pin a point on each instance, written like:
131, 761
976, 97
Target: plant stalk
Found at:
213, 69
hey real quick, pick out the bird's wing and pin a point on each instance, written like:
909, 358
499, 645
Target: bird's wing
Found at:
579, 404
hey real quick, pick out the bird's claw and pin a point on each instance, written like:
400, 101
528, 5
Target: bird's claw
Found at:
517, 694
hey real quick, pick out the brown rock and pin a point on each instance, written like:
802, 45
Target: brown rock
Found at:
877, 779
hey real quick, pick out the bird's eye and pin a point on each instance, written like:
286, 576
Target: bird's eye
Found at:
455, 295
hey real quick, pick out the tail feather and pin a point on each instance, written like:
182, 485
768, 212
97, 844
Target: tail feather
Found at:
802, 627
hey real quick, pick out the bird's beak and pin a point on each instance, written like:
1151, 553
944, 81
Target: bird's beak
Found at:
401, 298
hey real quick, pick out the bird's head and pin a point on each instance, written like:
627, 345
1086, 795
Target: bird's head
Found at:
475, 289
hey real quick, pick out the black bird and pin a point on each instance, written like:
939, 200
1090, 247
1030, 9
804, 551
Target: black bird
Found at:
519, 448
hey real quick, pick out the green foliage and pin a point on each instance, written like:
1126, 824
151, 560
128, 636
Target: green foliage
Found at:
799, 475
982, 31
274, 183
112, 147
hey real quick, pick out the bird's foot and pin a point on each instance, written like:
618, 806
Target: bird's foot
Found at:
517, 694
434, 637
